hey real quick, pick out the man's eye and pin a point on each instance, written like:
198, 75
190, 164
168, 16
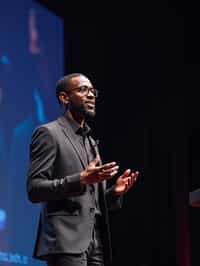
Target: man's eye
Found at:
84, 89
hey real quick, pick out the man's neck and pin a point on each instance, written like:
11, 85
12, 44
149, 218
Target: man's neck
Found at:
78, 118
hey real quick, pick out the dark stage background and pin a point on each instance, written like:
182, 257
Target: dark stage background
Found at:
144, 60
136, 59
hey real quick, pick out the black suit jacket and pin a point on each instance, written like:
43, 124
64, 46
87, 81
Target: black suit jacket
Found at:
67, 215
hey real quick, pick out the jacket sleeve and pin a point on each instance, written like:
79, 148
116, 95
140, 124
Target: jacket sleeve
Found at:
41, 184
114, 202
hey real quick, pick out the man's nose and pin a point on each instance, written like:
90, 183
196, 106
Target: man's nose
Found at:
90, 94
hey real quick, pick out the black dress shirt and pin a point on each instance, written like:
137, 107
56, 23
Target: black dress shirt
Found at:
84, 134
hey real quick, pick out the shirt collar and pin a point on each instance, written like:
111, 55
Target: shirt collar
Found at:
86, 130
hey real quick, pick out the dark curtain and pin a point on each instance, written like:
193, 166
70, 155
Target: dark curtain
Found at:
141, 125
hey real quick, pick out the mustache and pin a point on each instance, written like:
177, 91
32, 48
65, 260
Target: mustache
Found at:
90, 102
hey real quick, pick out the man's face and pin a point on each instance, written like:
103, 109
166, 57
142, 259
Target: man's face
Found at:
81, 97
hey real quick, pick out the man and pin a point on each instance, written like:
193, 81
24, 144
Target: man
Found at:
67, 177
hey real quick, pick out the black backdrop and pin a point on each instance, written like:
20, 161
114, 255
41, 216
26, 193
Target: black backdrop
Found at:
145, 61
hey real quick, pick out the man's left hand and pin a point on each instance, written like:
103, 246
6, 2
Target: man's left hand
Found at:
125, 182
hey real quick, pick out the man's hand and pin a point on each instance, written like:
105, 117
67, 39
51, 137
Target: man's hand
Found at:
95, 174
125, 182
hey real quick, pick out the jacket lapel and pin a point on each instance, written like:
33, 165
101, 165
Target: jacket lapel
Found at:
74, 140
94, 144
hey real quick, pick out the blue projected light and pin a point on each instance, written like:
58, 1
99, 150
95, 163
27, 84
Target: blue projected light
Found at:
2, 219
40, 106
13, 258
5, 60
31, 62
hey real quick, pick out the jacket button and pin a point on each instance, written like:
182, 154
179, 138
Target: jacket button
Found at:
91, 190
91, 209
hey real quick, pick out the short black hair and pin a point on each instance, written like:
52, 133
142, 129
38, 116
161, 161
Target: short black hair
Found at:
63, 84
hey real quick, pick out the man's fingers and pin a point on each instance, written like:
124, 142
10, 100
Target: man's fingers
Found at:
126, 173
130, 180
107, 166
113, 173
108, 175
108, 171
135, 176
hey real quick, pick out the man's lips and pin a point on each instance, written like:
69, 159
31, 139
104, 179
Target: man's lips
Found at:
90, 104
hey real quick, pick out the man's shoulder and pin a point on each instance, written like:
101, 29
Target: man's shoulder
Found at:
49, 127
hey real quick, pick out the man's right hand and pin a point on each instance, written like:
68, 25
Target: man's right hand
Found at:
95, 174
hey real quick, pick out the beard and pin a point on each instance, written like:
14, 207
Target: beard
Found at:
83, 110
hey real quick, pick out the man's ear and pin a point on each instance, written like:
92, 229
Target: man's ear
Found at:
63, 98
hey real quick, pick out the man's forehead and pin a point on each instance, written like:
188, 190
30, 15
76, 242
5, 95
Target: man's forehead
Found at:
80, 80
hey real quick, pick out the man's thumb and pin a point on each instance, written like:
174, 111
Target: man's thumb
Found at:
96, 160
127, 172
